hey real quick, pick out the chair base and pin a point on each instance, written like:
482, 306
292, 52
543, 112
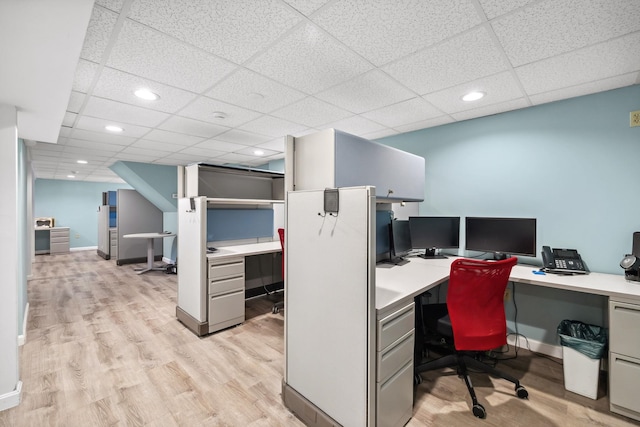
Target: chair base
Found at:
462, 361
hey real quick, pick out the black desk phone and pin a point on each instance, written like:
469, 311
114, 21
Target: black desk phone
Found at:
562, 261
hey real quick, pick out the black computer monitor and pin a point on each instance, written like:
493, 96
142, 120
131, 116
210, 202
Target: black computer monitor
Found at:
434, 232
502, 236
400, 239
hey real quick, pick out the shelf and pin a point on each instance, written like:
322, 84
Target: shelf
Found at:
229, 201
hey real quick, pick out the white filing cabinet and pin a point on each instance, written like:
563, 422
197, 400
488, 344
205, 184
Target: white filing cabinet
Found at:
225, 292
59, 240
394, 369
624, 357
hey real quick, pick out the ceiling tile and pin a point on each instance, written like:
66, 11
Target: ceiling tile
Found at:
75, 101
307, 7
85, 72
182, 159
582, 66
461, 59
123, 113
147, 144
367, 92
93, 145
109, 138
98, 125
383, 31
309, 60
255, 92
237, 136
157, 152
274, 145
272, 126
356, 125
120, 86
494, 8
142, 51
312, 112
219, 146
68, 119
251, 151
402, 113
586, 88
236, 158
204, 153
489, 110
115, 5
231, 29
498, 88
423, 124
380, 134
192, 127
203, 109
98, 34
81, 152
172, 137
554, 27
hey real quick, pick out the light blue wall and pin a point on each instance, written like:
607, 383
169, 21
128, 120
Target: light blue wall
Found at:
73, 204
571, 164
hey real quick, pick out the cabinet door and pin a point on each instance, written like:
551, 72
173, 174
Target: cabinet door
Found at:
624, 321
395, 398
624, 384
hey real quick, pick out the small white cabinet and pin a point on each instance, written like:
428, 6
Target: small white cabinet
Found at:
624, 357
335, 159
394, 367
58, 240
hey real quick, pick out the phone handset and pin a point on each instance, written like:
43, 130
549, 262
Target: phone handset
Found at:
547, 257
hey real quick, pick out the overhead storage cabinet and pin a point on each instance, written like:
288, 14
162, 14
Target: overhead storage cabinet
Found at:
334, 159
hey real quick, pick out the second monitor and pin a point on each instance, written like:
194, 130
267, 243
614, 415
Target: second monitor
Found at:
432, 233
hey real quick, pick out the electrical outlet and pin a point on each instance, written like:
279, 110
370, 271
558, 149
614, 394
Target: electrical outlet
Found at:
634, 118
507, 294
77, 236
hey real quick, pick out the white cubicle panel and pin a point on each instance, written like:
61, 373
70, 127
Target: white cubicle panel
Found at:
330, 303
192, 222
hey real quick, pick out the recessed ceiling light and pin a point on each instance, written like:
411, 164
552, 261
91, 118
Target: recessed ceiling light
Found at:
219, 115
113, 128
258, 152
71, 176
82, 162
146, 94
473, 96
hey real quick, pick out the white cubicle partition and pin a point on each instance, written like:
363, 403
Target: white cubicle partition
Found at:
330, 307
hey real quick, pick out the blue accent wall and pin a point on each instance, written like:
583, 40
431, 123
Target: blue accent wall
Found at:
572, 164
73, 204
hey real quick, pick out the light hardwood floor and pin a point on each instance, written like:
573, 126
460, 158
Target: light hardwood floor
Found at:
104, 348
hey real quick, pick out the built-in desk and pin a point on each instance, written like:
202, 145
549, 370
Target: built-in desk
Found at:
397, 286
223, 294
56, 237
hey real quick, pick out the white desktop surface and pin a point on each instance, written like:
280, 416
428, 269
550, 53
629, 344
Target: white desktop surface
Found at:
399, 283
246, 250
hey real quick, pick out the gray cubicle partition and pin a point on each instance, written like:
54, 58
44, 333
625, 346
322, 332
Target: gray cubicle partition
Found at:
136, 215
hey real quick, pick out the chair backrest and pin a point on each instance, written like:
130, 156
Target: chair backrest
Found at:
281, 234
475, 301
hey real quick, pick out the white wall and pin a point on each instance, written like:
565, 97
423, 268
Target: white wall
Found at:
9, 373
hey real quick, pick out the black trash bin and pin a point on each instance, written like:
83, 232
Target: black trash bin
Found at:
582, 348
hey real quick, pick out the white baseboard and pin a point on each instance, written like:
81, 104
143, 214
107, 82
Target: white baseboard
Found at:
168, 260
23, 337
537, 346
84, 248
11, 399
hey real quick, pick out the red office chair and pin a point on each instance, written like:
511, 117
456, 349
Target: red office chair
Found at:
475, 320
280, 305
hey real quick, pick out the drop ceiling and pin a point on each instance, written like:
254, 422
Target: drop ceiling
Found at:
373, 68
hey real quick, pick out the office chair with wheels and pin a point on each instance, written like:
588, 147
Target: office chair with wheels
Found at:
476, 322
280, 304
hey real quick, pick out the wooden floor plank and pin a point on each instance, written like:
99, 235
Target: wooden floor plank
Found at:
104, 347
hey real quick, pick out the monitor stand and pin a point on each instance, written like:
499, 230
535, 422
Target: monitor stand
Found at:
431, 254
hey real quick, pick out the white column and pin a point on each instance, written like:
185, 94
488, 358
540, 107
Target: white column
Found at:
10, 385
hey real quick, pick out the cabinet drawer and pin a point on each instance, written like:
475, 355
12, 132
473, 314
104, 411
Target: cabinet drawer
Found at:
224, 286
226, 310
59, 233
395, 398
59, 239
230, 267
394, 357
395, 325
624, 323
59, 248
624, 382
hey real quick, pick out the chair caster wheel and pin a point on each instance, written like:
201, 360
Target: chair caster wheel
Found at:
478, 411
522, 392
417, 379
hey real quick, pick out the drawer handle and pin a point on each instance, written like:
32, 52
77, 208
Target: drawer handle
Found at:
627, 362
390, 351
626, 309
397, 374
